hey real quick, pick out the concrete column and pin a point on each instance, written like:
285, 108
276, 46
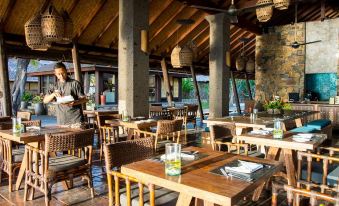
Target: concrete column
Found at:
133, 63
5, 93
219, 73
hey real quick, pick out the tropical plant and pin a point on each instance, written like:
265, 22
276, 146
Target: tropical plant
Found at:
277, 104
26, 97
38, 99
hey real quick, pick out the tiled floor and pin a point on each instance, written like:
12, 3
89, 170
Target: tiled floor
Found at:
80, 194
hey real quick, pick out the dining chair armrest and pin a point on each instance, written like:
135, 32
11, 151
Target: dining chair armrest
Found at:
144, 133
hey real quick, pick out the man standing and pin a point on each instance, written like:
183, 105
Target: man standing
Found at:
70, 113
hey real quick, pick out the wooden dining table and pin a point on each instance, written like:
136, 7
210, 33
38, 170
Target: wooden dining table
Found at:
197, 180
33, 138
284, 148
133, 125
263, 119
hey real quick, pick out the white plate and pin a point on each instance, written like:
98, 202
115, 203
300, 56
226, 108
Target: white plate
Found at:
300, 140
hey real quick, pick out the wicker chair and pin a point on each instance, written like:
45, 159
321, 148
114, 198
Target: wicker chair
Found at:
5, 119
10, 156
192, 111
133, 191
157, 112
107, 133
52, 168
181, 113
311, 183
24, 115
166, 129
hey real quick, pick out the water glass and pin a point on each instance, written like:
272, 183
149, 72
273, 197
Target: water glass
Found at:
16, 124
278, 129
173, 159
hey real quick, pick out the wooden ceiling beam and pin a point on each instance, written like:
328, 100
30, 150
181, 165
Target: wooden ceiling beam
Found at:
155, 6
88, 21
103, 31
74, 4
9, 8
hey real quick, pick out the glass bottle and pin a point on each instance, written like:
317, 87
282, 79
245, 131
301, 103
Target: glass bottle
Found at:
278, 129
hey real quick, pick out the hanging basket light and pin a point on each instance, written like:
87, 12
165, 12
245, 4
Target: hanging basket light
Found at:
33, 34
68, 28
281, 4
193, 46
250, 65
240, 62
52, 25
264, 13
181, 57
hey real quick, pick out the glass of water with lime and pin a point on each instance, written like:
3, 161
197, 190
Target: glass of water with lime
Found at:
16, 124
278, 129
173, 159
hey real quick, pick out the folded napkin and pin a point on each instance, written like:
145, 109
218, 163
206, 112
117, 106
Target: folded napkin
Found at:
32, 128
184, 156
302, 137
65, 99
261, 132
244, 167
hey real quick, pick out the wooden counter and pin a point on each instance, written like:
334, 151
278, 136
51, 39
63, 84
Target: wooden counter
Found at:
326, 111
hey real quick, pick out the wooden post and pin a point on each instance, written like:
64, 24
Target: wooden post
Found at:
248, 87
76, 62
5, 100
197, 93
167, 82
235, 93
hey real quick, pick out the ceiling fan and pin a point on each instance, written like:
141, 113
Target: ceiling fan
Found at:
296, 44
232, 11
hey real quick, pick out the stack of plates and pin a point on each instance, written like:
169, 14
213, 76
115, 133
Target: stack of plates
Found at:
302, 137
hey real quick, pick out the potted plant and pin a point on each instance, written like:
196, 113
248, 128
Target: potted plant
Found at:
276, 106
38, 104
26, 97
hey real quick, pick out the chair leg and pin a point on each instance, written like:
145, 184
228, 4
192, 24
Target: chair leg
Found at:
0, 175
10, 180
25, 192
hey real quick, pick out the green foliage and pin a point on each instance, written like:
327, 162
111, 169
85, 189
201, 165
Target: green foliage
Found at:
26, 97
37, 99
277, 104
187, 86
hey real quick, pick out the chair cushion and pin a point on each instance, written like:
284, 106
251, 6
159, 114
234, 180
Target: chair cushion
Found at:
207, 129
65, 162
304, 129
163, 196
317, 173
18, 154
319, 124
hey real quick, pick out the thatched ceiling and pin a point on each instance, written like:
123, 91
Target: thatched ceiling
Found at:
96, 26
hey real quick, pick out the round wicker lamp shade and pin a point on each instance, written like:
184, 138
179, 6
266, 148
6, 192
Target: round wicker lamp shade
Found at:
250, 65
52, 24
281, 4
68, 28
264, 13
33, 34
240, 62
181, 57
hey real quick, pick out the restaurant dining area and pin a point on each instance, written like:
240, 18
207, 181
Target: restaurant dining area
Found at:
169, 102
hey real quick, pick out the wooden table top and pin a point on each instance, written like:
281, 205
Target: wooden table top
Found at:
285, 143
196, 178
34, 136
262, 121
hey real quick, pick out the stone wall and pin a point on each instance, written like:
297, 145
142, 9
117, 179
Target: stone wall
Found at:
280, 69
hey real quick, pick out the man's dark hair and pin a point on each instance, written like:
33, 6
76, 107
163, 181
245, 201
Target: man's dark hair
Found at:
59, 65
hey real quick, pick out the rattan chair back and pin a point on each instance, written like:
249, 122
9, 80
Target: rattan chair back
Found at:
222, 131
103, 116
155, 108
5, 119
169, 126
24, 115
126, 152
69, 140
249, 106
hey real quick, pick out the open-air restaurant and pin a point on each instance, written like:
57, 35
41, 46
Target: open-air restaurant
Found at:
169, 102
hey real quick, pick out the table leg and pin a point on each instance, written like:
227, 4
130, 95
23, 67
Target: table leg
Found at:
184, 200
130, 132
290, 167
271, 155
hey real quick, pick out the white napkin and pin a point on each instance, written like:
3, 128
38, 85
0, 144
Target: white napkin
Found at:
65, 99
302, 137
32, 128
261, 132
184, 156
245, 167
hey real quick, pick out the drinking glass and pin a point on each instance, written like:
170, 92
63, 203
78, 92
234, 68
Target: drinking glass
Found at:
173, 159
16, 124
277, 130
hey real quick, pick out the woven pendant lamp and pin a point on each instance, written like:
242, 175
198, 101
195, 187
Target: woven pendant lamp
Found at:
240, 62
52, 24
33, 34
68, 28
264, 13
250, 66
281, 4
181, 57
